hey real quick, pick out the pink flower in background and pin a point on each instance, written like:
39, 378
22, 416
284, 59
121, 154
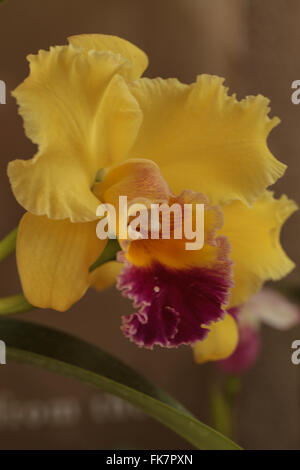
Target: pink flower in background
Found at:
268, 307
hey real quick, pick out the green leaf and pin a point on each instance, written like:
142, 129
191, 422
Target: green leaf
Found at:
64, 354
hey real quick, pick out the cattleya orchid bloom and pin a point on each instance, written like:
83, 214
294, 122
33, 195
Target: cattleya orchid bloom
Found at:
103, 131
266, 307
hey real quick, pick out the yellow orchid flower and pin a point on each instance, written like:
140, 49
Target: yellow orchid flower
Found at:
102, 131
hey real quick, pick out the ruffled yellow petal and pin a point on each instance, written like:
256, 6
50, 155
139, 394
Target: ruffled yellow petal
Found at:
102, 42
205, 140
220, 342
53, 258
254, 235
82, 117
117, 122
106, 275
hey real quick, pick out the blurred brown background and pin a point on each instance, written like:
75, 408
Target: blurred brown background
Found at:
254, 45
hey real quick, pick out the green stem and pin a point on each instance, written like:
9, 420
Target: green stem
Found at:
14, 304
223, 405
8, 244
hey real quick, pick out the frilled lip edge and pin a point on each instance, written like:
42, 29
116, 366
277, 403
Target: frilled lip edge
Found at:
174, 306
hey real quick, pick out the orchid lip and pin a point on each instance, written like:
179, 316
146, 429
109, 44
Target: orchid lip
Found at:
173, 307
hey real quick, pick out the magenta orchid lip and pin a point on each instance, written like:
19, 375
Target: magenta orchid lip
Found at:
173, 306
